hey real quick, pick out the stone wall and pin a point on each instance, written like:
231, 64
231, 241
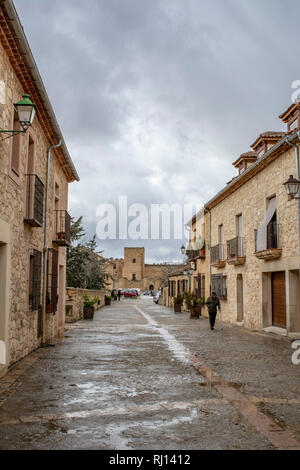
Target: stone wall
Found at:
74, 302
251, 200
22, 322
121, 271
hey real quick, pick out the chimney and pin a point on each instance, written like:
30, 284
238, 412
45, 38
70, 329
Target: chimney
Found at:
265, 141
291, 117
244, 161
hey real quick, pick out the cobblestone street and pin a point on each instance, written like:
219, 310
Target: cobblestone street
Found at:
141, 377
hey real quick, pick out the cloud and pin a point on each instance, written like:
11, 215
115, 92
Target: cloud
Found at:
157, 99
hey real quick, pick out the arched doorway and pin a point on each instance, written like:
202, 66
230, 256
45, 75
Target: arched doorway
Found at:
151, 287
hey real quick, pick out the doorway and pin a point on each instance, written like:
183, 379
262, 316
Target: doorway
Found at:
240, 298
3, 303
61, 300
278, 299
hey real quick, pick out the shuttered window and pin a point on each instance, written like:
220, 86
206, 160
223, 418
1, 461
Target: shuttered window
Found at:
52, 281
219, 285
35, 281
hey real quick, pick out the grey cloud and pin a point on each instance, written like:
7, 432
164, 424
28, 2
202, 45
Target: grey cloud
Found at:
169, 88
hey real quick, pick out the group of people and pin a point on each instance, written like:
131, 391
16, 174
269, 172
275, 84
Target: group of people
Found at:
117, 293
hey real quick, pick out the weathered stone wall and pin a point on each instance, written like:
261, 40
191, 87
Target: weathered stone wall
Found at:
74, 302
137, 267
250, 200
121, 271
23, 323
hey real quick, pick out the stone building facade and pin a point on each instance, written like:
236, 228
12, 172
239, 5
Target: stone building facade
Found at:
23, 170
194, 275
132, 271
251, 236
255, 255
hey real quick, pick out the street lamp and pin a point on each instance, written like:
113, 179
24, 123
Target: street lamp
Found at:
26, 112
292, 186
182, 249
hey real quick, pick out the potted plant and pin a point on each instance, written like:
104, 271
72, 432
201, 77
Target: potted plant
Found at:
188, 299
178, 301
107, 300
89, 307
196, 308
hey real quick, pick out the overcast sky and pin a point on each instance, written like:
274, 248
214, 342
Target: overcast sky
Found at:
157, 98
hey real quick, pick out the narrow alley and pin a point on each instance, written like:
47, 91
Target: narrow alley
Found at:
141, 377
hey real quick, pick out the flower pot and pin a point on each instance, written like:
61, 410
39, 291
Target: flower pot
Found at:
107, 302
177, 308
88, 313
195, 312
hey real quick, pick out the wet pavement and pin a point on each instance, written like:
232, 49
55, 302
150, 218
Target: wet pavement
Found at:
141, 377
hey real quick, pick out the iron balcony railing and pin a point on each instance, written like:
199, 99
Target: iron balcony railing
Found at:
217, 253
62, 228
235, 248
34, 201
273, 237
194, 254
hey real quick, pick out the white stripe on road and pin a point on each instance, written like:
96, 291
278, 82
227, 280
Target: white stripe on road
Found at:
177, 348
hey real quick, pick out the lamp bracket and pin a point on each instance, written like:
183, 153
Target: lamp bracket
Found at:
12, 133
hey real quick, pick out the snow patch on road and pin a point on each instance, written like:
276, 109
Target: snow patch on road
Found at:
177, 348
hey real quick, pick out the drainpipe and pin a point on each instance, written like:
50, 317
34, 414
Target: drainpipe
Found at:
288, 140
46, 241
210, 266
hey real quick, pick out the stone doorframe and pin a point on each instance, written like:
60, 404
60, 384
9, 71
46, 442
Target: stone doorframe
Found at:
5, 275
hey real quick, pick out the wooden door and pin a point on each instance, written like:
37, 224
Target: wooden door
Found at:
278, 299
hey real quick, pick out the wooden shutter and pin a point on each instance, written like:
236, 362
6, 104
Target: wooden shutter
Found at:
38, 201
279, 299
54, 280
36, 280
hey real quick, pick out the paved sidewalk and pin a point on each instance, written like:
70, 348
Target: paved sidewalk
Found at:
141, 377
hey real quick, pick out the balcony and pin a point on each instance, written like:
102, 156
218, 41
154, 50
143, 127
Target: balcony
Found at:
193, 255
34, 201
235, 251
217, 258
62, 228
272, 250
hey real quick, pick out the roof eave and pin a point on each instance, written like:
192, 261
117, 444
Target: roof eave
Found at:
31, 64
210, 204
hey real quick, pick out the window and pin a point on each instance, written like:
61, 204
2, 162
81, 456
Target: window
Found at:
219, 285
35, 275
30, 281
56, 197
30, 156
134, 261
293, 125
134, 277
239, 226
16, 146
221, 234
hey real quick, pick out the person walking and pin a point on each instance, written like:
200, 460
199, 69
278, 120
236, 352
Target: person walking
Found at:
119, 295
212, 304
